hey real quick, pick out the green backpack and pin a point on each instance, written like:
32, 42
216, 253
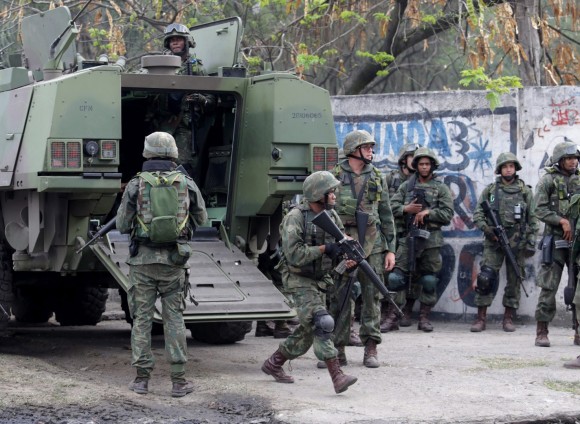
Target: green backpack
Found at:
164, 203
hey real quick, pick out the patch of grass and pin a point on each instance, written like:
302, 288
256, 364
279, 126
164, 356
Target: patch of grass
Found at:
563, 386
503, 363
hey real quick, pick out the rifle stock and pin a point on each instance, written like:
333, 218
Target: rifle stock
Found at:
504, 242
102, 231
353, 251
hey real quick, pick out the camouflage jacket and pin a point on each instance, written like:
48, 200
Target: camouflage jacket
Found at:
380, 235
509, 195
300, 241
438, 197
126, 222
393, 181
552, 198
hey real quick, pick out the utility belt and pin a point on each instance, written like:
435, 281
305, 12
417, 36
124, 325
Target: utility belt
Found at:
180, 250
428, 227
308, 273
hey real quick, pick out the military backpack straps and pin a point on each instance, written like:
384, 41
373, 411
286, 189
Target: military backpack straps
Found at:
163, 206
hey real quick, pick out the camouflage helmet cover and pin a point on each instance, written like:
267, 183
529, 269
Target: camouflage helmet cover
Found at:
565, 149
424, 152
355, 139
160, 145
318, 184
178, 30
407, 150
504, 158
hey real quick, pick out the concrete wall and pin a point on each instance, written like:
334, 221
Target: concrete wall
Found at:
468, 137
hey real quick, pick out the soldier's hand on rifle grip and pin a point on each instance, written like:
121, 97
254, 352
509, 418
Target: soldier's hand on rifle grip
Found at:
413, 207
567, 228
489, 232
389, 261
420, 217
332, 250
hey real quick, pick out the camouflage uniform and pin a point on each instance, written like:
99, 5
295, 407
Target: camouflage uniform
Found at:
552, 202
428, 259
152, 273
521, 229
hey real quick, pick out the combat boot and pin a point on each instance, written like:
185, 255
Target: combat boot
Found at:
341, 358
140, 385
405, 320
370, 358
281, 330
340, 380
577, 339
263, 330
508, 325
424, 323
479, 324
573, 364
391, 322
273, 366
353, 338
181, 389
542, 334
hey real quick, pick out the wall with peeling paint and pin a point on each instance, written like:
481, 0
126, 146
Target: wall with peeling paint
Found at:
468, 137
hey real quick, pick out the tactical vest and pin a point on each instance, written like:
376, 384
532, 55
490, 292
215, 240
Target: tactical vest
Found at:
562, 190
431, 189
313, 236
145, 213
504, 198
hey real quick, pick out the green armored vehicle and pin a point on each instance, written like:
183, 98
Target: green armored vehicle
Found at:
72, 135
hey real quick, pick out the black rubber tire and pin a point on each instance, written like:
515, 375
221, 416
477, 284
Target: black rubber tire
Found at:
6, 294
220, 332
81, 305
32, 306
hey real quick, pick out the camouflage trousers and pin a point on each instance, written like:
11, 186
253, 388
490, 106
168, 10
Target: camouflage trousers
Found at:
548, 280
370, 319
493, 257
307, 301
148, 281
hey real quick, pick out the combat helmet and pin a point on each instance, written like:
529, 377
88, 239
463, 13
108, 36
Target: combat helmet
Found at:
178, 30
564, 149
160, 145
504, 158
355, 139
425, 152
406, 150
316, 185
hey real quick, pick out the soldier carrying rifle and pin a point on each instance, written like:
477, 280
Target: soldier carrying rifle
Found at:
509, 218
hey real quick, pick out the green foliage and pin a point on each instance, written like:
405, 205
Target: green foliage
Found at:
382, 17
348, 16
99, 39
429, 19
309, 60
381, 58
496, 87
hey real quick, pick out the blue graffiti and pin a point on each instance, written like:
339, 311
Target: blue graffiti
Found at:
481, 155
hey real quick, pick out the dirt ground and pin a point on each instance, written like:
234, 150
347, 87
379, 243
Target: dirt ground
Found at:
68, 375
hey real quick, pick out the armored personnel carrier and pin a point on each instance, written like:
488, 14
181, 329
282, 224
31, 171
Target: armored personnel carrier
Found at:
72, 135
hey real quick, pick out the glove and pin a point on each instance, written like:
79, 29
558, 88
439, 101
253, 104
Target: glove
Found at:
489, 232
332, 250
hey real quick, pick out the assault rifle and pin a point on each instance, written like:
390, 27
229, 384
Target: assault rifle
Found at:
102, 231
416, 236
352, 250
6, 314
570, 289
504, 242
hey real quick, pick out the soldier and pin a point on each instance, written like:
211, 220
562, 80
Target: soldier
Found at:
159, 269
424, 203
389, 318
178, 40
308, 254
552, 200
512, 202
361, 191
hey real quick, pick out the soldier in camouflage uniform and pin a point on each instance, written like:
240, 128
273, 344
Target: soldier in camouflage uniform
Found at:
307, 255
362, 190
389, 319
512, 201
552, 199
158, 270
436, 212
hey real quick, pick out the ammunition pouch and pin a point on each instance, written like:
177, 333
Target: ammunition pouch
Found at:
486, 281
181, 254
547, 246
133, 248
396, 281
429, 283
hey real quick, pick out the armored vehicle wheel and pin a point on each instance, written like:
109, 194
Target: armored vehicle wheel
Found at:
32, 306
220, 332
6, 295
81, 305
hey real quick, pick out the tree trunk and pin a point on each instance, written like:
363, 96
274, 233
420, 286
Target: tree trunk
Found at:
530, 70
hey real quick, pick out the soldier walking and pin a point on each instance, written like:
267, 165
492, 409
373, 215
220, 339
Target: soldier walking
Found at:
512, 202
307, 258
552, 200
160, 208
425, 204
361, 193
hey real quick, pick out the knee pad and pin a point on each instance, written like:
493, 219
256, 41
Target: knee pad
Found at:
396, 280
429, 283
323, 325
486, 280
